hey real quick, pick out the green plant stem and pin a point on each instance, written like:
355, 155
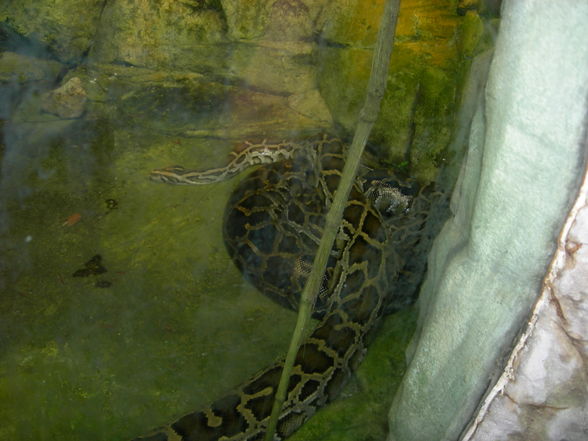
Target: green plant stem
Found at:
367, 118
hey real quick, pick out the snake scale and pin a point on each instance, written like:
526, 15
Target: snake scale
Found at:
272, 227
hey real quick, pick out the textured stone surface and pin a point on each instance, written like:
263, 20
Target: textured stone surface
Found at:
543, 393
159, 34
432, 49
283, 67
67, 101
65, 27
521, 173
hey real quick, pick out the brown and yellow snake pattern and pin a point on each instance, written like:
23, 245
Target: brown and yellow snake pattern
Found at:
272, 227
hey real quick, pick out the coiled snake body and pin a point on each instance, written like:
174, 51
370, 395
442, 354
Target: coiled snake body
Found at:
272, 227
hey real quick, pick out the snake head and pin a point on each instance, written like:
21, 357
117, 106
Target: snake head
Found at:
173, 174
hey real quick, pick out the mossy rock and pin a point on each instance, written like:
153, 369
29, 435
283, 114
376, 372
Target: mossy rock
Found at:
67, 28
427, 68
158, 35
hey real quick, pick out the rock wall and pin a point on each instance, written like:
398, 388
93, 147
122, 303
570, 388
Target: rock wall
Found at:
543, 392
235, 68
526, 155
65, 28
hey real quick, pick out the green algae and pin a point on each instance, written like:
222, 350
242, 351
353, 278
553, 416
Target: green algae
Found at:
110, 363
100, 363
178, 327
159, 35
361, 413
65, 27
427, 69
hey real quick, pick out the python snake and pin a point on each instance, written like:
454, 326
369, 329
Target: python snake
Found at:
273, 224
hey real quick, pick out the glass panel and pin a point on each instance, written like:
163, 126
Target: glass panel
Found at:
127, 302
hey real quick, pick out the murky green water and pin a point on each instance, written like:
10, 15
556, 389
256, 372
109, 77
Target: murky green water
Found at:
170, 326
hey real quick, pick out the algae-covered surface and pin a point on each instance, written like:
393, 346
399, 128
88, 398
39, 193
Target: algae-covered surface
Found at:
433, 48
176, 327
170, 326
361, 412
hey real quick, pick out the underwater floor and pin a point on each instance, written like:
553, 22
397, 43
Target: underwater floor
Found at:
158, 325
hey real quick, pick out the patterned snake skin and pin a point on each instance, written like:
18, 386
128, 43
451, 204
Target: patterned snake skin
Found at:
273, 223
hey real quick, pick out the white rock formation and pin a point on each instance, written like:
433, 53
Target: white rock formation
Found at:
488, 267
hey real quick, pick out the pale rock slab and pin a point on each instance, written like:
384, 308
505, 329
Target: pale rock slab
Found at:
487, 268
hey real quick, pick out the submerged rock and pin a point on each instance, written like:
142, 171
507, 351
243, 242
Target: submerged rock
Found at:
67, 101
